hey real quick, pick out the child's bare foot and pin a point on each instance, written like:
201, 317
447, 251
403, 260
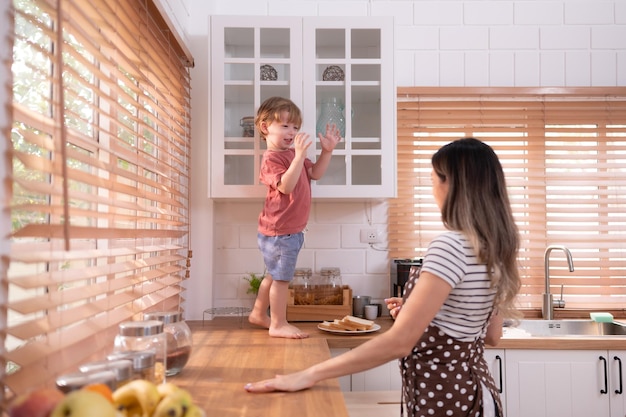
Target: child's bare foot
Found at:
288, 331
259, 319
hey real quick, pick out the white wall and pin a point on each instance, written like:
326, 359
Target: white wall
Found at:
473, 43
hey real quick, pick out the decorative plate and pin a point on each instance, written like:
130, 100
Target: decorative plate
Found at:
375, 328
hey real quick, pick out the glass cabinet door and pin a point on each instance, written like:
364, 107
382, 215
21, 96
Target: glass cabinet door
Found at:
337, 70
350, 62
249, 63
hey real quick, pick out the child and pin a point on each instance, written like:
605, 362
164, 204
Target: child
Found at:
287, 172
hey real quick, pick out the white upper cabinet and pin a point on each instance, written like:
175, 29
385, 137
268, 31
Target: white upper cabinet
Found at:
339, 65
252, 59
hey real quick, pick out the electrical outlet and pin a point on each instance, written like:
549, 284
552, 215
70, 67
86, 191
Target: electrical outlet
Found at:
369, 236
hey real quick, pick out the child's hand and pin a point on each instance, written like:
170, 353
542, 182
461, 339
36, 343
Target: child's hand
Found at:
301, 143
331, 139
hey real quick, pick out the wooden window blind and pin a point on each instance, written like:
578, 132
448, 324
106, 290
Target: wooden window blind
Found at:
564, 156
100, 191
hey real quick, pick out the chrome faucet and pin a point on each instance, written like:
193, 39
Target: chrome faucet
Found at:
548, 304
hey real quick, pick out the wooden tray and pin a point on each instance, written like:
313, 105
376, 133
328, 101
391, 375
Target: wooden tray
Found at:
316, 312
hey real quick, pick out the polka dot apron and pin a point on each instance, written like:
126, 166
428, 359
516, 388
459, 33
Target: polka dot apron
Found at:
443, 376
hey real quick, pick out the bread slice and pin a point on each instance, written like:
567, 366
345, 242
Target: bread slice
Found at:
348, 323
357, 323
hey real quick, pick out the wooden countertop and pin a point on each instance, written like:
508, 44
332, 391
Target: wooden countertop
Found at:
229, 352
507, 342
226, 356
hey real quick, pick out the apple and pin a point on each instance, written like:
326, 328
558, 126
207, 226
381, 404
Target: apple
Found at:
84, 403
36, 403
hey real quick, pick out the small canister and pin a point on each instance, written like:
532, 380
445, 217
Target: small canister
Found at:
247, 126
77, 380
143, 362
123, 369
179, 339
144, 335
358, 304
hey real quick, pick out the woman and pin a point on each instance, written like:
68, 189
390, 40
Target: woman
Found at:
456, 302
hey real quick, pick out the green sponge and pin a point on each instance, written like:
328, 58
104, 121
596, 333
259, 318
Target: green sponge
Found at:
602, 317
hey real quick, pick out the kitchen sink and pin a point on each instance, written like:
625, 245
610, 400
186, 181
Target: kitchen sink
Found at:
546, 328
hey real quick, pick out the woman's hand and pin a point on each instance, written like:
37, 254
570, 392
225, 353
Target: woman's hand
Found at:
291, 382
394, 304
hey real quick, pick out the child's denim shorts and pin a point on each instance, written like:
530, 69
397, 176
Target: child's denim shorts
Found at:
280, 254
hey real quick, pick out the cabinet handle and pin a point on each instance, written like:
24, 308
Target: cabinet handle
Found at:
499, 359
606, 381
619, 368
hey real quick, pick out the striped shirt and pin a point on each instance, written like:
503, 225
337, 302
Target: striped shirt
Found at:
463, 314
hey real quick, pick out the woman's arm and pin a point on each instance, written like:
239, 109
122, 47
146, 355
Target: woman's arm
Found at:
494, 330
425, 300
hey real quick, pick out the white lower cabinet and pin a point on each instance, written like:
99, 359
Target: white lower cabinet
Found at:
345, 382
564, 383
382, 378
495, 360
533, 383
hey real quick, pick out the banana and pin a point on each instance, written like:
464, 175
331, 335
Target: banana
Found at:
174, 404
166, 389
195, 411
138, 398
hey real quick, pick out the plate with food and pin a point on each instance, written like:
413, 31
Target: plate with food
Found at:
349, 325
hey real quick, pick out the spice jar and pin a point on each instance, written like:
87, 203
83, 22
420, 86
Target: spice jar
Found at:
123, 369
77, 380
304, 293
143, 363
144, 335
247, 126
179, 340
331, 288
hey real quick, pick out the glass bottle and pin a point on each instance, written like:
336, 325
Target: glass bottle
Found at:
179, 341
331, 112
141, 336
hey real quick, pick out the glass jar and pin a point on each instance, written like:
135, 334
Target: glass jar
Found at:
77, 380
123, 369
179, 339
247, 126
331, 292
302, 284
141, 336
143, 363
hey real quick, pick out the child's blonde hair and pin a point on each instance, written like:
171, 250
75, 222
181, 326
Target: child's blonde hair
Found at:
271, 110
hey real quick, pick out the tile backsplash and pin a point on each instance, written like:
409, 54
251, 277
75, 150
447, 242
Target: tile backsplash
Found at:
332, 239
